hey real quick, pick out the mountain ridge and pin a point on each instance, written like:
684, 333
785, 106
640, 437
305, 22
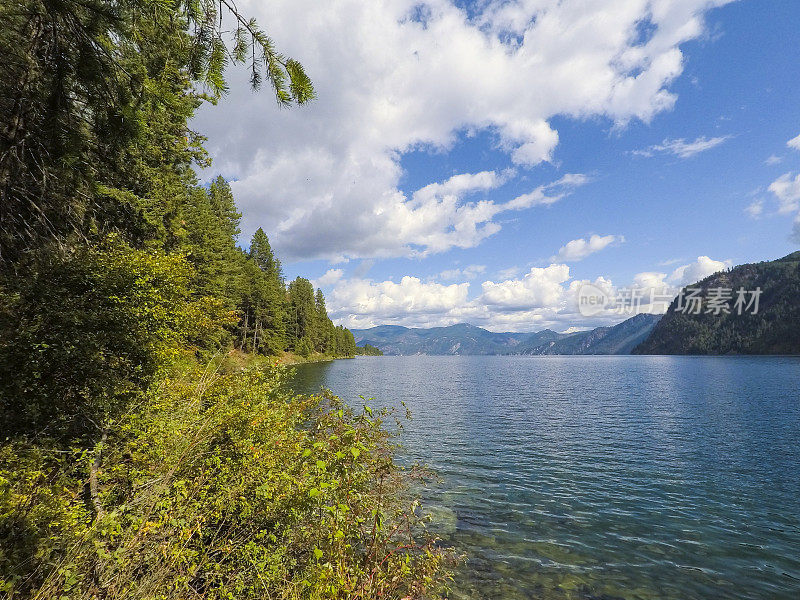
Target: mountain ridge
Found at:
467, 339
774, 329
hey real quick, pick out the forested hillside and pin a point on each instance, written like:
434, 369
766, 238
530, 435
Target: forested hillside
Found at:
145, 450
770, 326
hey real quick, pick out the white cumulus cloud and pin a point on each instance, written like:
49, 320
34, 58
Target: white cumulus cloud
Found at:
539, 288
394, 76
330, 277
787, 190
541, 298
364, 303
697, 270
579, 249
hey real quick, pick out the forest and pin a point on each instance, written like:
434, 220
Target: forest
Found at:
149, 445
770, 326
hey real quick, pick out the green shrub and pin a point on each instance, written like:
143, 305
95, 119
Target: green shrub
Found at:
221, 486
84, 331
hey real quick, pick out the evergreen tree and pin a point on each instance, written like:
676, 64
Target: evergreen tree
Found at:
270, 309
95, 98
322, 324
261, 253
224, 207
207, 242
302, 311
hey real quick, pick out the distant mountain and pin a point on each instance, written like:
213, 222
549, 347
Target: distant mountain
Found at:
619, 339
774, 329
455, 339
468, 339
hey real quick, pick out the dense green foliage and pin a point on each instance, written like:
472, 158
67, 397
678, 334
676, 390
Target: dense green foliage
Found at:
774, 329
368, 350
95, 98
128, 469
110, 250
87, 330
217, 486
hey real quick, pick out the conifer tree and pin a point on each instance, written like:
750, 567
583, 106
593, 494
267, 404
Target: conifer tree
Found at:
95, 98
322, 323
302, 311
208, 243
224, 207
261, 253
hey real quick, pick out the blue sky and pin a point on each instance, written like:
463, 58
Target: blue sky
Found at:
670, 120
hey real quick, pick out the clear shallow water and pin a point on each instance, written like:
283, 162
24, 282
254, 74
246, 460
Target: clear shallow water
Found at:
602, 477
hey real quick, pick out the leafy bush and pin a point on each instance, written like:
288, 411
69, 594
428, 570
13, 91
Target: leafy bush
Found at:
219, 486
84, 331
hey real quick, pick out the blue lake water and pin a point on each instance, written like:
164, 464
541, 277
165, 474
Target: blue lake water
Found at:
601, 477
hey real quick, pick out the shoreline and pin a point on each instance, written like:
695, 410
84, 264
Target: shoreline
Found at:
237, 359
290, 359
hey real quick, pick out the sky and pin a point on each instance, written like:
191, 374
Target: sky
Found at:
480, 161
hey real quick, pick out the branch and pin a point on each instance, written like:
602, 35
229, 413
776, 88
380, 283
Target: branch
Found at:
93, 485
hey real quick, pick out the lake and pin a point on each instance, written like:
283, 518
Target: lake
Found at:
606, 477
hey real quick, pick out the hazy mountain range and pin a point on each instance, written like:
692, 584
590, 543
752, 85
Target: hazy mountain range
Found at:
468, 339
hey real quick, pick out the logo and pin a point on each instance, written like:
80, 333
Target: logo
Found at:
592, 300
